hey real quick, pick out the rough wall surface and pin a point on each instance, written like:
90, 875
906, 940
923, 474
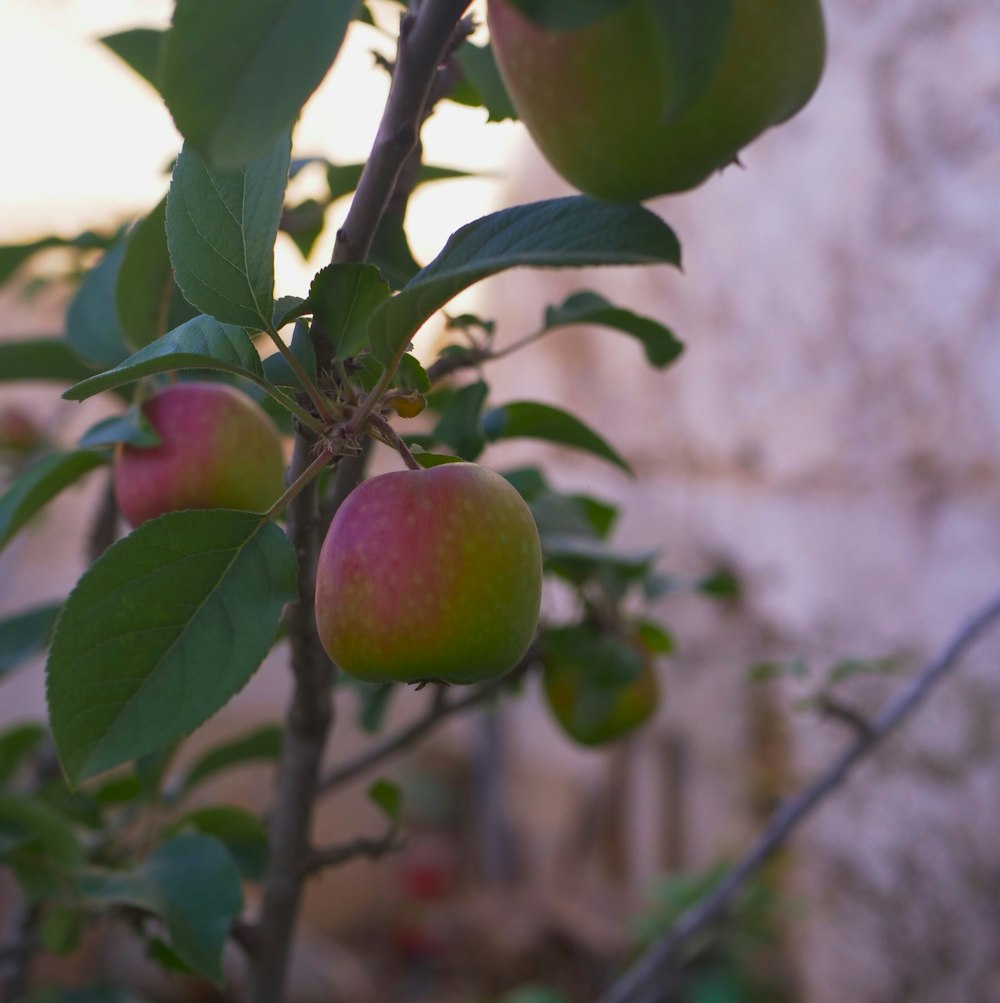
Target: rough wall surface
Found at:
834, 432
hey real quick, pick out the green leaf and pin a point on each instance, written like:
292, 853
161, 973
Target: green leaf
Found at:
244, 835
192, 883
661, 346
373, 700
236, 75
342, 298
482, 85
167, 626
92, 327
140, 49
577, 557
201, 343
41, 359
530, 420
558, 233
388, 796
12, 256
149, 302
17, 744
221, 228
655, 639
460, 424
25, 634
534, 994
61, 928
39, 484
261, 744
39, 843
132, 427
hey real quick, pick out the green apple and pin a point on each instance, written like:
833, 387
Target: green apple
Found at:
430, 575
598, 686
217, 450
598, 100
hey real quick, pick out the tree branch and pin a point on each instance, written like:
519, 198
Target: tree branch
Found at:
309, 719
363, 846
641, 982
440, 709
425, 37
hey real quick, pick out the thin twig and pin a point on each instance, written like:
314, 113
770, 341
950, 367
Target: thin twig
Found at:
363, 846
640, 983
104, 528
440, 709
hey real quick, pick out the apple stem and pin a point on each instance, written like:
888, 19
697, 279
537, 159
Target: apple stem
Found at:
310, 473
387, 434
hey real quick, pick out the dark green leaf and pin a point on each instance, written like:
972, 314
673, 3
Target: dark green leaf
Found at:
558, 233
235, 75
140, 49
482, 85
61, 928
661, 346
262, 744
162, 631
721, 584
304, 223
92, 327
24, 635
342, 179
460, 423
244, 835
38, 843
202, 343
132, 427
534, 994
18, 744
192, 883
530, 420
342, 298
388, 796
287, 309
149, 302
654, 638
373, 701
221, 227
13, 256
41, 359
411, 376
39, 484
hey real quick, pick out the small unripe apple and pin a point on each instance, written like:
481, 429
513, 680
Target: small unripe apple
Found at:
589, 700
19, 432
217, 450
598, 102
430, 575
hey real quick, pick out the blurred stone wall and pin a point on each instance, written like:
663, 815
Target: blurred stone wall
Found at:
833, 433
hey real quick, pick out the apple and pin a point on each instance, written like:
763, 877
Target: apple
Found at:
217, 450
19, 433
596, 100
598, 687
430, 575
